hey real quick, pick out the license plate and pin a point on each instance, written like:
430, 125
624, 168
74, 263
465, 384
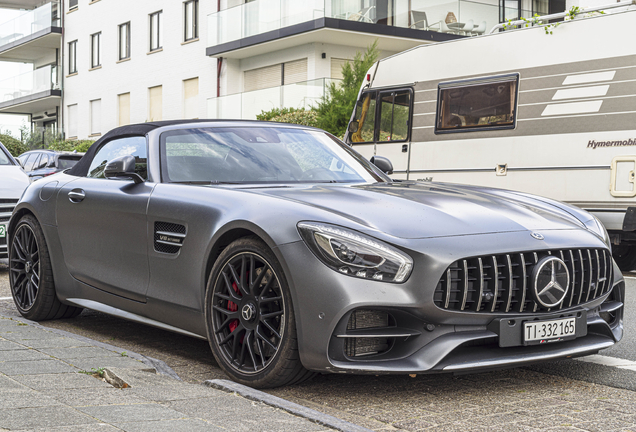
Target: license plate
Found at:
538, 332
3, 231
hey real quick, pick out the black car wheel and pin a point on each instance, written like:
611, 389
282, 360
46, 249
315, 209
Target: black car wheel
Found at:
31, 275
250, 319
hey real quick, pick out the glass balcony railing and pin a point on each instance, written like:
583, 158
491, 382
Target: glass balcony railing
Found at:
260, 16
30, 23
248, 104
26, 84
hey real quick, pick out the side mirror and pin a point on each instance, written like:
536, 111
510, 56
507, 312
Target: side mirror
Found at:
122, 167
353, 126
383, 163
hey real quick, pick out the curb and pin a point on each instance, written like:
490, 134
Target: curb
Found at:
161, 367
285, 405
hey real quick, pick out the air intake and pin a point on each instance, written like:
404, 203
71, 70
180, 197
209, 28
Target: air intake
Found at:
169, 237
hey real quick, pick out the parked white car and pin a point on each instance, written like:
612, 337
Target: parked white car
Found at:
13, 182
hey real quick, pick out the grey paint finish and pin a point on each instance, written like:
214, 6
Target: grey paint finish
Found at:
434, 224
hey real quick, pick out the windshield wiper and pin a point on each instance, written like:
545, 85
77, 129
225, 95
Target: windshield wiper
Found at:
205, 182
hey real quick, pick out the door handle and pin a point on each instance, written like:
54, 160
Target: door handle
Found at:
76, 195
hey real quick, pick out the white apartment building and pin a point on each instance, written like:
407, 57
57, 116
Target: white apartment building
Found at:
134, 62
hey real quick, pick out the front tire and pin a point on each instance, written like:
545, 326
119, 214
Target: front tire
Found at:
31, 275
250, 318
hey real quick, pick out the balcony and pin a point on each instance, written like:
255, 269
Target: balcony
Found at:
31, 35
31, 92
248, 104
397, 24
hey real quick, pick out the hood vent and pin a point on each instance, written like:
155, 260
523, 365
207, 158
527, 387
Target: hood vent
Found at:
169, 237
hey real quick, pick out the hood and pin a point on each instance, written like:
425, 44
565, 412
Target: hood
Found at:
425, 210
13, 181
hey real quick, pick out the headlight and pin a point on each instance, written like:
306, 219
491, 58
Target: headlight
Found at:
355, 254
596, 226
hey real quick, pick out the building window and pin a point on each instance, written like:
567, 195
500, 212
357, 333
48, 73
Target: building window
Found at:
124, 41
124, 109
191, 18
155, 103
72, 121
72, 57
72, 4
155, 31
96, 59
96, 116
191, 98
480, 104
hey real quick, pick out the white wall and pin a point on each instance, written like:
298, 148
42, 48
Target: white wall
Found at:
168, 68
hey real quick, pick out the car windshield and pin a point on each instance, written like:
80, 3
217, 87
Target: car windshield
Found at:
65, 162
261, 155
4, 159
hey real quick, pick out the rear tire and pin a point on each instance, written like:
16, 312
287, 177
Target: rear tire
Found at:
31, 275
250, 319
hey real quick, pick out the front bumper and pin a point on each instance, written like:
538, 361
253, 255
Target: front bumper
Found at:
421, 337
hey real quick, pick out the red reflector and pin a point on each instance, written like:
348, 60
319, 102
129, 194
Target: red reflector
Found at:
368, 77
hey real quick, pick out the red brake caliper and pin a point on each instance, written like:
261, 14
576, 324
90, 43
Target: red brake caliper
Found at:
232, 307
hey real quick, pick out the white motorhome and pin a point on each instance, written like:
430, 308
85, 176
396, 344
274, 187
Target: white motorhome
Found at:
521, 109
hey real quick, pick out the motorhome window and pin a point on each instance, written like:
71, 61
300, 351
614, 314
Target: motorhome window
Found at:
479, 105
394, 116
365, 116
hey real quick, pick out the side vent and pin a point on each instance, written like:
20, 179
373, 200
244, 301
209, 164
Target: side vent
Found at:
169, 237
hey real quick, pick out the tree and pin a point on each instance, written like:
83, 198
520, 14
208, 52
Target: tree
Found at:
336, 106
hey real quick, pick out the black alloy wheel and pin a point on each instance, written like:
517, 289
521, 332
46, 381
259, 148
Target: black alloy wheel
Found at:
31, 274
25, 267
250, 319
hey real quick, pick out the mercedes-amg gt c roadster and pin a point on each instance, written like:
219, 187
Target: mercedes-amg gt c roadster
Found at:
291, 255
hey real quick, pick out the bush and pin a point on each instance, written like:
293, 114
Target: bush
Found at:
275, 112
301, 117
71, 145
15, 147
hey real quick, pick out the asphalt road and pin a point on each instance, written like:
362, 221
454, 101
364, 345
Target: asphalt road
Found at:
362, 399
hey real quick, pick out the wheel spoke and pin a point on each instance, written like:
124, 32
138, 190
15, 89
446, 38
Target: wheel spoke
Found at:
267, 341
254, 284
271, 315
267, 286
250, 351
260, 350
231, 314
231, 335
270, 328
251, 275
224, 324
20, 249
242, 286
230, 289
242, 359
269, 299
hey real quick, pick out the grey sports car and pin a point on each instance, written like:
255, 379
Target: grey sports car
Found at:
291, 255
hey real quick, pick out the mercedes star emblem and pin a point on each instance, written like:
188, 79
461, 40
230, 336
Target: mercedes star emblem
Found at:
551, 281
248, 311
537, 236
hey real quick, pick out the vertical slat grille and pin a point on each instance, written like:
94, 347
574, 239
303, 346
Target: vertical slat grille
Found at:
502, 283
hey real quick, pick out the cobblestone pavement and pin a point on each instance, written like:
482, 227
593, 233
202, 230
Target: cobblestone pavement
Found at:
520, 399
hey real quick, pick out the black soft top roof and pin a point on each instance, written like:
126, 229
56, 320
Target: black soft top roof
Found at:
140, 129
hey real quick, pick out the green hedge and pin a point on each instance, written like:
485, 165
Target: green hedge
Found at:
15, 147
71, 145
